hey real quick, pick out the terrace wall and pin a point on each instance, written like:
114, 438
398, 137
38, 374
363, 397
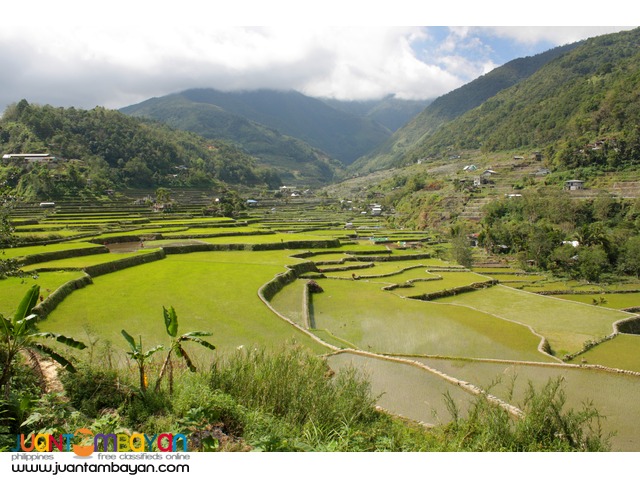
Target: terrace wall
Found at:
121, 264
629, 325
269, 289
44, 308
75, 252
454, 291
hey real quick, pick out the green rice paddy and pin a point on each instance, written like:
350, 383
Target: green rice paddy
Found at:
566, 325
619, 352
12, 289
53, 247
363, 315
84, 261
611, 300
476, 336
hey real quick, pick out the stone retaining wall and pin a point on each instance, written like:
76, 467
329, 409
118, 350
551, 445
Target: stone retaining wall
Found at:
49, 256
44, 308
454, 291
121, 264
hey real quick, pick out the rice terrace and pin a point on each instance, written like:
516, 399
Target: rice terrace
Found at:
252, 268
391, 303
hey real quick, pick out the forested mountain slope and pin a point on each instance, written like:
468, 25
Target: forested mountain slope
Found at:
342, 135
582, 108
450, 106
103, 148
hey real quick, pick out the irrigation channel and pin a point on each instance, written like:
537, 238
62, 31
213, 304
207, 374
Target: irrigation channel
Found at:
341, 283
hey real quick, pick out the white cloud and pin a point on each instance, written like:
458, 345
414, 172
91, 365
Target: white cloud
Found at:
118, 64
530, 35
73, 52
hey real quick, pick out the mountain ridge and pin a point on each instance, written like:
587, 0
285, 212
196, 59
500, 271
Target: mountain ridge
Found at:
341, 135
452, 105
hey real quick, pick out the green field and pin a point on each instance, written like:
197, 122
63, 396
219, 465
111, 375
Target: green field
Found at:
216, 292
12, 289
566, 325
360, 313
619, 352
84, 261
288, 302
54, 247
611, 300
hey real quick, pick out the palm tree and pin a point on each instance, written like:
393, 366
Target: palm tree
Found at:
171, 324
20, 335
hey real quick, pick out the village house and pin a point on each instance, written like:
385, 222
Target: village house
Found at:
574, 185
29, 158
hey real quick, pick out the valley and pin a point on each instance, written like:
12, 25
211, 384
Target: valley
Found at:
247, 281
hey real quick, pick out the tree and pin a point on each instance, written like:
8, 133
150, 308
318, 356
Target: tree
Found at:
630, 261
163, 195
140, 356
460, 246
592, 262
20, 335
9, 266
171, 325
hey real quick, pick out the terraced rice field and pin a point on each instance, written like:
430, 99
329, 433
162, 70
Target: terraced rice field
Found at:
620, 352
566, 325
473, 337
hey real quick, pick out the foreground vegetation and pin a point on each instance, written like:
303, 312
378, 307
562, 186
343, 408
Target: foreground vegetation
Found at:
286, 401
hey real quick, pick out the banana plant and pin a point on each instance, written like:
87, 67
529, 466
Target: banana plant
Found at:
140, 356
20, 335
171, 325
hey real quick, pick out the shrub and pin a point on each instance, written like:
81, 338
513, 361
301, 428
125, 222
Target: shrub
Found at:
92, 389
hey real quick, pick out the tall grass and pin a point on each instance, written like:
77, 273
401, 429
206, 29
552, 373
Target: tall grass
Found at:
297, 386
547, 425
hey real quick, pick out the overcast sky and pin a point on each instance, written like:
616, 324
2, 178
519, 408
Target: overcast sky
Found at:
116, 53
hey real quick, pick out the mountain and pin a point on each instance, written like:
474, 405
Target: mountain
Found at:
343, 136
100, 149
389, 111
450, 106
295, 161
589, 95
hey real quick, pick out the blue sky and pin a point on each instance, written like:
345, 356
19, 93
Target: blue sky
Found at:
116, 53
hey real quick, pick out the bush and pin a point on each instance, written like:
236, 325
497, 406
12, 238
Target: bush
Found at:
92, 389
